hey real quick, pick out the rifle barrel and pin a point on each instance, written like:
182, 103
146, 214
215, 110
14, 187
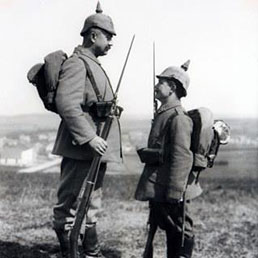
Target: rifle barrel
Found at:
154, 72
155, 104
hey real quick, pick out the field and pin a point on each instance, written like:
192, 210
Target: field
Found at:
225, 215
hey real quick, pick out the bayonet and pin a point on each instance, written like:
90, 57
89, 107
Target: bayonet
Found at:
122, 73
155, 103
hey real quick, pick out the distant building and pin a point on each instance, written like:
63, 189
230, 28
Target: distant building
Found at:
11, 142
24, 139
49, 149
2, 142
43, 137
17, 156
127, 146
52, 136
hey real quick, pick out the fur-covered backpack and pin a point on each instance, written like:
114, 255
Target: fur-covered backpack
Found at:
208, 134
45, 77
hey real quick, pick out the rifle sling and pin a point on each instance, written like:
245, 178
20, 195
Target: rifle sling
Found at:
99, 96
92, 80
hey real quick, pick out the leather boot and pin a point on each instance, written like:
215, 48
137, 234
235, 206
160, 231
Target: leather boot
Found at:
173, 244
90, 244
187, 250
63, 238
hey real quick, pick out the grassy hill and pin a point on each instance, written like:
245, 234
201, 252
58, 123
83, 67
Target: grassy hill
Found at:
225, 214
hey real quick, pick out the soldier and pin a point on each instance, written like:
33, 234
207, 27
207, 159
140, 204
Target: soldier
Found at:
82, 85
167, 173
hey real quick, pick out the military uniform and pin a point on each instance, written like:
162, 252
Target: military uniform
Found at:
166, 183
75, 98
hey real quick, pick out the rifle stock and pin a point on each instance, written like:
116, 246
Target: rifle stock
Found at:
183, 220
86, 191
148, 250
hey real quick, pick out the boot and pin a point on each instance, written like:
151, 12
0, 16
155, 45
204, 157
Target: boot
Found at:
90, 244
186, 250
173, 244
63, 238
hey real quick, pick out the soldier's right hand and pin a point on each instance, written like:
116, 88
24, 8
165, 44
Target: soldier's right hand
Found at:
98, 144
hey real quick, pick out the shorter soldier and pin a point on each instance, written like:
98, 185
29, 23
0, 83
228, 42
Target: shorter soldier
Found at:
169, 159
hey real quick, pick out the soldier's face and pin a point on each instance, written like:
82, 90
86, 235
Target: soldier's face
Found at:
103, 42
162, 90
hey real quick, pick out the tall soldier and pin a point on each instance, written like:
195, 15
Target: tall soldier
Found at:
167, 173
83, 84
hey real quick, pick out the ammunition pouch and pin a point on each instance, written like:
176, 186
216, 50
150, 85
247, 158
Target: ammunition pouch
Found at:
102, 109
151, 156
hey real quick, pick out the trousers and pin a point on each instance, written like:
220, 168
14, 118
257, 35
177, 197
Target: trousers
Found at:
73, 172
169, 217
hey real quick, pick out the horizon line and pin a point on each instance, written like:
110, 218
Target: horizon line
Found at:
130, 116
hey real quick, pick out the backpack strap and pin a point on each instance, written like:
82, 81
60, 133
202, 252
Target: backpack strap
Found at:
171, 117
92, 80
164, 131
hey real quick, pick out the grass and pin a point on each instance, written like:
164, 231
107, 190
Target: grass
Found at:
225, 216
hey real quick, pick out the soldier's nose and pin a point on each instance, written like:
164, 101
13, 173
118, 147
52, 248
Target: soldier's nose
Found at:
110, 43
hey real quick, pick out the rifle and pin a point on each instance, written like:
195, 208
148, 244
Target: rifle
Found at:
151, 224
90, 181
152, 227
183, 220
155, 103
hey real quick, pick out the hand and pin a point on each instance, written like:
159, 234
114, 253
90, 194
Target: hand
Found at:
98, 144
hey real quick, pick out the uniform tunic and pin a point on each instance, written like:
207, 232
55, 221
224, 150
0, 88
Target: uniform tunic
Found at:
74, 97
167, 182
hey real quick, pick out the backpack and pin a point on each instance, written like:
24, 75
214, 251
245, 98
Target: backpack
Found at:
45, 77
207, 136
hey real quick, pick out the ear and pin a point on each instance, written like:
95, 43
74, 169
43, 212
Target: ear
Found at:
173, 86
93, 36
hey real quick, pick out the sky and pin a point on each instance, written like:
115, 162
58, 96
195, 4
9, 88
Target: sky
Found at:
219, 37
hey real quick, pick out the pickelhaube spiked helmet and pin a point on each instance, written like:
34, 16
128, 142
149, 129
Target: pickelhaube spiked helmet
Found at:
178, 73
98, 20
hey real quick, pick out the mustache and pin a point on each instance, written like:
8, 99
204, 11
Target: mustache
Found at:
108, 47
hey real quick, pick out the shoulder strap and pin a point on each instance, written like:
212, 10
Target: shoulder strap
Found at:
171, 117
92, 80
167, 125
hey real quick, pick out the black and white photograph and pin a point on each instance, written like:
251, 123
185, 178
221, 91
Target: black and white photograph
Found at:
129, 129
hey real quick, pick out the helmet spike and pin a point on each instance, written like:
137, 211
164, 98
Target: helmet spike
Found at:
185, 65
98, 20
98, 8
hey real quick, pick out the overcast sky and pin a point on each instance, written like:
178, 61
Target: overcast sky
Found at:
220, 37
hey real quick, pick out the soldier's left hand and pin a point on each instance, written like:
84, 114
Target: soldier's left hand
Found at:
99, 145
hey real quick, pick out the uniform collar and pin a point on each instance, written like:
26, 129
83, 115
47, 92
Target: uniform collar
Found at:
167, 106
85, 52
